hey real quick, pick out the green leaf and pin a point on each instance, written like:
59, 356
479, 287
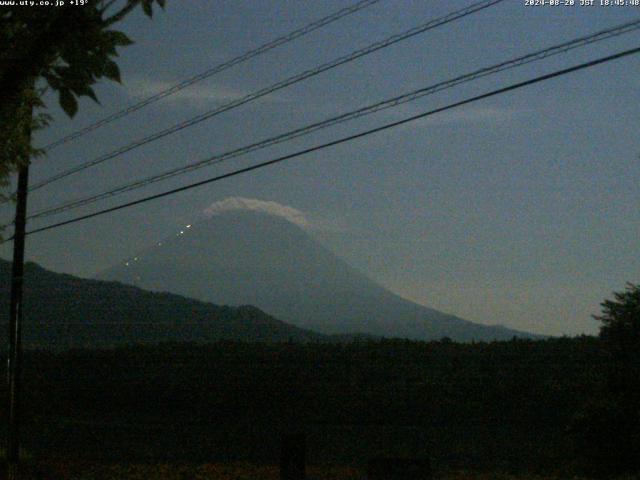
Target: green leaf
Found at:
118, 38
52, 80
111, 71
87, 92
147, 8
74, 78
68, 102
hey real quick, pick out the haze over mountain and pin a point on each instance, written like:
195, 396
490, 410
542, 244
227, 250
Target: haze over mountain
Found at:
254, 252
62, 311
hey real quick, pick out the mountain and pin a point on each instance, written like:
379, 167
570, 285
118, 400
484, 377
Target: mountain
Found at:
62, 311
256, 258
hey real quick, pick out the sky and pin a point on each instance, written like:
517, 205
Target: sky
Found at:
520, 210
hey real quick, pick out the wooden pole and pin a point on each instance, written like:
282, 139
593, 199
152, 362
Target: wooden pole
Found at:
14, 362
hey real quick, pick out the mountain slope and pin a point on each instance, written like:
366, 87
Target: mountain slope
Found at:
260, 259
62, 311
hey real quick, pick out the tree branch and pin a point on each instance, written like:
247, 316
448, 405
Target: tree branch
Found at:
116, 17
108, 5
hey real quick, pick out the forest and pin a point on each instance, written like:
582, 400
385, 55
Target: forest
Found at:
520, 406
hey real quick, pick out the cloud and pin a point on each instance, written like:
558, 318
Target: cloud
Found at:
468, 114
140, 88
477, 114
232, 204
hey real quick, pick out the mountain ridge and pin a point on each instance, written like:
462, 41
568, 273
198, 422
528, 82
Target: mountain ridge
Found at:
260, 259
62, 312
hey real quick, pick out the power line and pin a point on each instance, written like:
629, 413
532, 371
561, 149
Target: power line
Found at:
215, 70
382, 105
431, 24
349, 138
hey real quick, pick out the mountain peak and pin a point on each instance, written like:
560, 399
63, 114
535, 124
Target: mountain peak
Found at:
258, 255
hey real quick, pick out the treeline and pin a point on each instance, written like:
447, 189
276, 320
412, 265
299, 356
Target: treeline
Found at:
502, 405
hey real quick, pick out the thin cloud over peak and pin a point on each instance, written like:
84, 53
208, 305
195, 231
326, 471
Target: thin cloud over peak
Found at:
231, 204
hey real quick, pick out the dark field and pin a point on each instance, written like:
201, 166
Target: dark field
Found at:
486, 407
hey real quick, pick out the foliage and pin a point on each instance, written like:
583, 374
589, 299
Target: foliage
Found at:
208, 471
15, 145
620, 332
621, 320
67, 49
607, 427
484, 406
75, 470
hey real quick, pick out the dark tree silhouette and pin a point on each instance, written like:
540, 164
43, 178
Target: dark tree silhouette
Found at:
620, 333
620, 320
67, 49
609, 426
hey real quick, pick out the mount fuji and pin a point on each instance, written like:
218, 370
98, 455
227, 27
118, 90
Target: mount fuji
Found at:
253, 257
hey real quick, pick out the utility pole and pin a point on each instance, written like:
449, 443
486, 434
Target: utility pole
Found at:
14, 362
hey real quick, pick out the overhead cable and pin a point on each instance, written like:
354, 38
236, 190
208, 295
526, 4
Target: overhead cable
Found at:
367, 110
431, 24
215, 70
342, 140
